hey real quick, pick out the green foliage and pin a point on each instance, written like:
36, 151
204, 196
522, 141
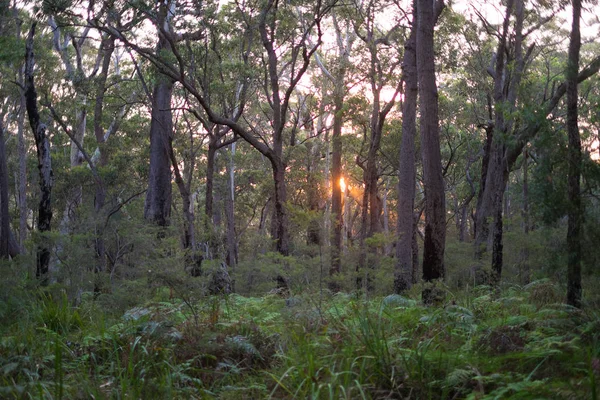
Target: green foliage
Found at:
517, 342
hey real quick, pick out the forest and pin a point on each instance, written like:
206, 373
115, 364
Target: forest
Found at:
326, 199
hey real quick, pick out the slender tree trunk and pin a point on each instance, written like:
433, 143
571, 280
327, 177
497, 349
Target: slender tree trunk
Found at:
313, 232
415, 252
435, 203
485, 162
281, 219
4, 214
575, 214
387, 249
76, 159
336, 195
505, 96
404, 278
210, 179
232, 250
525, 266
464, 218
22, 149
44, 160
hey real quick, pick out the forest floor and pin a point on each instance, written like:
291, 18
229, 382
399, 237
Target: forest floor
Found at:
480, 343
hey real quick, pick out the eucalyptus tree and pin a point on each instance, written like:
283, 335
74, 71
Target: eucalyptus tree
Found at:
283, 65
13, 105
405, 274
42, 144
157, 207
8, 245
508, 131
575, 213
335, 70
381, 66
435, 198
73, 45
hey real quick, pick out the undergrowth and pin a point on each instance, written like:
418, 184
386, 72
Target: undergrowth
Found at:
483, 343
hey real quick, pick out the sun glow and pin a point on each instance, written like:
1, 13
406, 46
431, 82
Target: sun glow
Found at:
342, 184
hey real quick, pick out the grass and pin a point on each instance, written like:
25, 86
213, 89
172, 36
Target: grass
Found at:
512, 343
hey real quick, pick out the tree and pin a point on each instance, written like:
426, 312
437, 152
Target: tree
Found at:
575, 213
435, 203
337, 77
380, 73
44, 159
404, 274
507, 135
8, 245
158, 198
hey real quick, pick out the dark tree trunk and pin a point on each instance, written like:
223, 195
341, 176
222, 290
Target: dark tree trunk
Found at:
505, 96
525, 266
575, 214
22, 175
282, 238
435, 204
231, 256
158, 198
485, 162
464, 215
210, 179
8, 245
44, 161
336, 176
415, 253
404, 278
107, 49
313, 232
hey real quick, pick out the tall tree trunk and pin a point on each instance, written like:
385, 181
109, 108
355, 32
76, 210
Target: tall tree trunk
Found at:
22, 149
485, 162
282, 237
8, 243
106, 50
336, 194
74, 198
464, 217
505, 96
231, 256
387, 248
44, 161
435, 204
157, 207
210, 179
575, 214
313, 232
404, 278
525, 266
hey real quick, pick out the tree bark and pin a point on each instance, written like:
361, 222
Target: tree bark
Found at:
344, 44
336, 194
44, 161
505, 96
435, 204
525, 266
210, 179
8, 244
231, 256
157, 207
404, 278
282, 237
575, 214
22, 149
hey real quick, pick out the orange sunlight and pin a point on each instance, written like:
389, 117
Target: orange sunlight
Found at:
343, 184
